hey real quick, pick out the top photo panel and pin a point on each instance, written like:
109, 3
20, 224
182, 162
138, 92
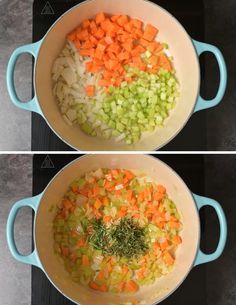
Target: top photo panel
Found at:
118, 75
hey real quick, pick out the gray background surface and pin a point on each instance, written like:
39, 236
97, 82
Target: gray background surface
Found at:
16, 29
16, 183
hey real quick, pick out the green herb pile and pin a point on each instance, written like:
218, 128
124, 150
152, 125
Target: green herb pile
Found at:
127, 239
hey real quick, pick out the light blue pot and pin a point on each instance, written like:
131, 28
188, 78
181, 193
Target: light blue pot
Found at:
197, 258
91, 7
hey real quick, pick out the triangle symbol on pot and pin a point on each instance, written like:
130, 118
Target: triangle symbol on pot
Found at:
47, 163
47, 10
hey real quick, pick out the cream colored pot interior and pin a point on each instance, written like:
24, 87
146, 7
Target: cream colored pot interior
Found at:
181, 47
177, 190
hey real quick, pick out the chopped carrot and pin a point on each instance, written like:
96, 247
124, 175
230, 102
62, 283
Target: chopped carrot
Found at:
150, 32
85, 260
129, 175
81, 242
114, 18
99, 34
115, 173
103, 288
161, 189
90, 90
141, 274
165, 62
108, 40
144, 42
164, 245
161, 224
154, 47
107, 218
154, 61
109, 268
168, 259
93, 27
153, 70
125, 269
93, 40
128, 27
65, 251
129, 195
140, 197
93, 285
174, 224
122, 20
107, 25
96, 190
156, 246
177, 240
131, 286
104, 83
128, 79
82, 34
137, 23
87, 45
114, 48
67, 204
100, 17
101, 275
109, 185
99, 51
85, 24
72, 36
123, 55
138, 50
86, 52
118, 192
128, 46
97, 204
122, 212
105, 201
111, 55
158, 196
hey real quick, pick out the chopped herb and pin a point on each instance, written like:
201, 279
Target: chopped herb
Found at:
126, 239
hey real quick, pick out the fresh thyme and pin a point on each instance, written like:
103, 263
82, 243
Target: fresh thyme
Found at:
126, 239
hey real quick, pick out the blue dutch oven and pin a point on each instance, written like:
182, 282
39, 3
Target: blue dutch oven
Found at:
188, 254
185, 51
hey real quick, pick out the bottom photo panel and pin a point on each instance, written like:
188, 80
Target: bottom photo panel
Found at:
118, 229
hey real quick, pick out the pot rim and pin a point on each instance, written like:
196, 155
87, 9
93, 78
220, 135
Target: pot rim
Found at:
197, 61
146, 155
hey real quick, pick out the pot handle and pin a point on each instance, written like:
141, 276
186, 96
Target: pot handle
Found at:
203, 258
201, 102
32, 49
31, 259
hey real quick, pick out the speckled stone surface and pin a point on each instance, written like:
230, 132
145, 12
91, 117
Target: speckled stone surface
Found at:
15, 30
15, 184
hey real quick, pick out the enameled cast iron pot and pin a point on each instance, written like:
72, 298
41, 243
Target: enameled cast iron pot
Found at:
187, 256
182, 47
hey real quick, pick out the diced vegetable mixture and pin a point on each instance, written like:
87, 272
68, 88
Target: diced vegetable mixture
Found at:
117, 231
114, 79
